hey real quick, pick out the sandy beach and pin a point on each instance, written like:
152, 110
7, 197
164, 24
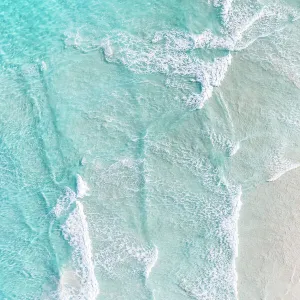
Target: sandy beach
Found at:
268, 264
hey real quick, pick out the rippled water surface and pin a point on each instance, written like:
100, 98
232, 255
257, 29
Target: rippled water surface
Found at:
128, 131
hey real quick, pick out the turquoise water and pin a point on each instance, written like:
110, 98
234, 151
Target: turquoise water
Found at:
123, 158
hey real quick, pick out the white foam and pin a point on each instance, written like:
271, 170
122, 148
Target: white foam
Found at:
64, 202
82, 38
167, 54
152, 262
76, 228
44, 66
226, 8
235, 149
79, 280
238, 205
202, 40
108, 51
82, 187
244, 23
230, 225
282, 172
211, 75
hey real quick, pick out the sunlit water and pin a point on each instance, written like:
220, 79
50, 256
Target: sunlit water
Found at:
123, 158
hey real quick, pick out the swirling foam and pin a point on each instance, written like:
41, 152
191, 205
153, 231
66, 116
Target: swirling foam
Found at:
167, 54
81, 274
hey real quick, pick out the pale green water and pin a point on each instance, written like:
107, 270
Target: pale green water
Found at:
129, 95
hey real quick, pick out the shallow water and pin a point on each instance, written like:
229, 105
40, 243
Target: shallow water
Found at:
128, 132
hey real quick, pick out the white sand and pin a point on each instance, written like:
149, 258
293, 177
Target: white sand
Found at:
269, 241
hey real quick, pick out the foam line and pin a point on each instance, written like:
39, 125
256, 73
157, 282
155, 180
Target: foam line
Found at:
279, 174
82, 187
238, 205
152, 262
75, 230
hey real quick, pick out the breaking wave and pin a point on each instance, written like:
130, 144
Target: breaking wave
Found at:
78, 281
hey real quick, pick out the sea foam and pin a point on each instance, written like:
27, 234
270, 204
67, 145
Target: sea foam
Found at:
75, 230
151, 262
167, 54
237, 208
82, 187
284, 170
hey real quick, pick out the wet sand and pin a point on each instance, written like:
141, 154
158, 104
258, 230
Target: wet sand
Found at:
268, 264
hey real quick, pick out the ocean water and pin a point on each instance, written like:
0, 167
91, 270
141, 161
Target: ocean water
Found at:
128, 133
